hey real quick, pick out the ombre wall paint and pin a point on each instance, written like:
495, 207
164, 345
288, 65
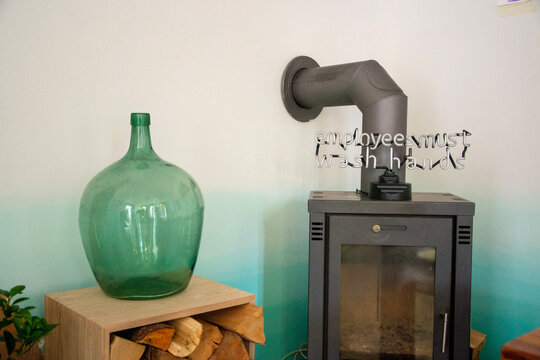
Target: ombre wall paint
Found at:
209, 72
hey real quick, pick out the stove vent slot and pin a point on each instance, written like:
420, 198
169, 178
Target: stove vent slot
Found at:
464, 234
317, 231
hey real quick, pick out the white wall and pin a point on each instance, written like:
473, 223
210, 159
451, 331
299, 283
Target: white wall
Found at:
209, 74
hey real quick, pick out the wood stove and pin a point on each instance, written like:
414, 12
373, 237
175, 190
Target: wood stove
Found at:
389, 279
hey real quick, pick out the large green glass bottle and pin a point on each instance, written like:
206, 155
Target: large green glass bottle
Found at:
141, 221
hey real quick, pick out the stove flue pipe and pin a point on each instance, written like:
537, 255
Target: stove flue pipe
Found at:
306, 88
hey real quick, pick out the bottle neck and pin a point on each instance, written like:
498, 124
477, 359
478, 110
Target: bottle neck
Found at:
140, 143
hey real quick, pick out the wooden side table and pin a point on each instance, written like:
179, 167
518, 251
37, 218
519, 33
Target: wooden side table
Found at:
525, 347
87, 317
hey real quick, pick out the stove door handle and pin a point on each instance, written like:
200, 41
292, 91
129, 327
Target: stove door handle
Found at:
444, 315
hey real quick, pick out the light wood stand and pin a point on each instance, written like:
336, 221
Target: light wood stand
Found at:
87, 317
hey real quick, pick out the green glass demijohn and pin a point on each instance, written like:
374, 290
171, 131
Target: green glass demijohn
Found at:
141, 220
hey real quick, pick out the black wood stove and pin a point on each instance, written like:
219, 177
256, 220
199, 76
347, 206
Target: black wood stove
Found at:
389, 279
389, 273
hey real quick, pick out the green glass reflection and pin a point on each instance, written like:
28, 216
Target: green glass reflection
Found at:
141, 221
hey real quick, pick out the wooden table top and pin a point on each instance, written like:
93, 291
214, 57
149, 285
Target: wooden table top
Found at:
202, 295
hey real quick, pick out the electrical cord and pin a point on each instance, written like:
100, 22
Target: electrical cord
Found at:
302, 351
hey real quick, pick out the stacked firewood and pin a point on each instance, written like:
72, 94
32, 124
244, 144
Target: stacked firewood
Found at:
217, 335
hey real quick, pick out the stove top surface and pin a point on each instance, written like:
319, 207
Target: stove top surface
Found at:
420, 204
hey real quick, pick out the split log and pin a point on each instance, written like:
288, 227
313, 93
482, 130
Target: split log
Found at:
157, 335
231, 347
245, 320
123, 349
210, 340
156, 354
33, 354
187, 336
477, 342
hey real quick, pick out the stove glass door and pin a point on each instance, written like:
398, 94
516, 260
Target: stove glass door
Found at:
393, 287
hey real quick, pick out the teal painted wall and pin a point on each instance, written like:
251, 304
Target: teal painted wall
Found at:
261, 246
506, 270
209, 73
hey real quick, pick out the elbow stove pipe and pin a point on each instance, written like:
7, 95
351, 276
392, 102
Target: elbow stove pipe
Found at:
306, 88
